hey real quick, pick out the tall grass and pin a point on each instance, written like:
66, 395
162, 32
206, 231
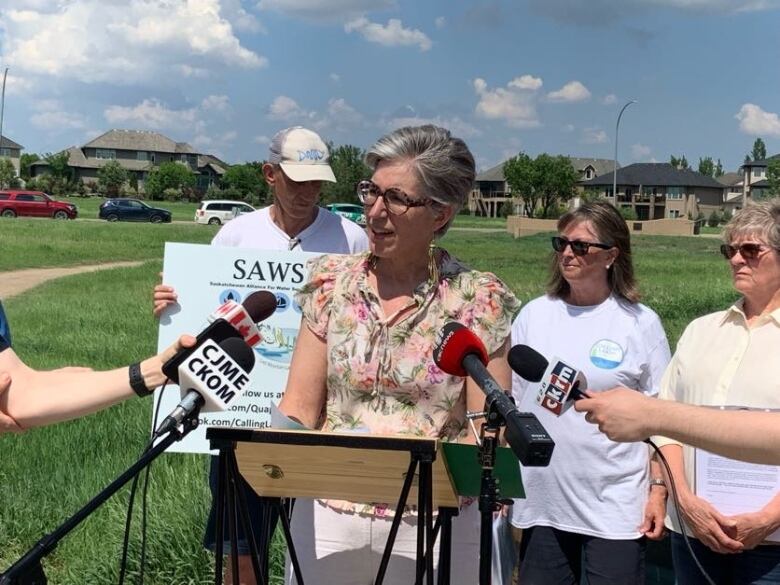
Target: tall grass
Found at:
104, 320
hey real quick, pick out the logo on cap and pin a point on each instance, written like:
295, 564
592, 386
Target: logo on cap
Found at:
311, 154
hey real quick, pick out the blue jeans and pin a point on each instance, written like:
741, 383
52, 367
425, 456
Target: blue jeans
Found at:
760, 566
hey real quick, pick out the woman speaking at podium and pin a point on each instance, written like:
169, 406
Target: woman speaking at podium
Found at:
363, 360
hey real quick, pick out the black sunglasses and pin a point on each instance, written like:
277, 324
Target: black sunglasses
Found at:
748, 251
578, 247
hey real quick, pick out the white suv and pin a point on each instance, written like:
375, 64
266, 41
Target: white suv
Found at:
219, 211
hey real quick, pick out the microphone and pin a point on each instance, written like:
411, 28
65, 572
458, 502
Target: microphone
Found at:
211, 378
459, 352
559, 383
229, 320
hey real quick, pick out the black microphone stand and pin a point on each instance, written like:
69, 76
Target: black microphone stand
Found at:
489, 503
28, 570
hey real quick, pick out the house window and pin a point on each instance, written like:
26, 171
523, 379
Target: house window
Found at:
675, 192
142, 155
758, 172
105, 153
674, 213
589, 173
5, 152
608, 192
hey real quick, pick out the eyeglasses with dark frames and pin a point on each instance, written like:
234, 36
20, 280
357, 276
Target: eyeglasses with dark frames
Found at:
396, 201
748, 250
578, 247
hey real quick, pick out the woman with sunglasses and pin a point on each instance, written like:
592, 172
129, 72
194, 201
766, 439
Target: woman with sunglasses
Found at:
363, 361
730, 358
596, 504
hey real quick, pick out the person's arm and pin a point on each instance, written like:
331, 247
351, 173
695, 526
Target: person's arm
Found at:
655, 508
306, 390
35, 398
627, 416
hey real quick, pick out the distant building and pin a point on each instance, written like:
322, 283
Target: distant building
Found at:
12, 150
660, 190
754, 181
138, 152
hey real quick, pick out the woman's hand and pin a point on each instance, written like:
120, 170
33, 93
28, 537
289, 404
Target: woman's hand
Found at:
716, 531
151, 369
655, 513
163, 296
7, 423
753, 528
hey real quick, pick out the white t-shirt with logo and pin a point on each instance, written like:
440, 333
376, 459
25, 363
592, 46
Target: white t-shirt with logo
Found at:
592, 486
329, 233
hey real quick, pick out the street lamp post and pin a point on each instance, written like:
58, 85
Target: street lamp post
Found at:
2, 106
614, 168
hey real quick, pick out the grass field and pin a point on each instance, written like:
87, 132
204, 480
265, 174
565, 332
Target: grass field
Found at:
104, 320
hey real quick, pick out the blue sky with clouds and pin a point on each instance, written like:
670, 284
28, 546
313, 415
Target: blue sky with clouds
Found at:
505, 75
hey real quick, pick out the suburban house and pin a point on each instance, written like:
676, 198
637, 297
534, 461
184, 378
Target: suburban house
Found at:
491, 189
660, 190
754, 181
12, 150
732, 191
137, 151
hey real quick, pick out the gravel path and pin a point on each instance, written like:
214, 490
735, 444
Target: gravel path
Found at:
16, 282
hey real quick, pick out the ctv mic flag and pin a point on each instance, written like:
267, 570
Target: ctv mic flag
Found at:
556, 386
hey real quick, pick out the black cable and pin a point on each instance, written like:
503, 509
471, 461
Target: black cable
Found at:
130, 505
680, 522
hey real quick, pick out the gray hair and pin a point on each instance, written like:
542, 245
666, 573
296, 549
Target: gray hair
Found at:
760, 218
442, 164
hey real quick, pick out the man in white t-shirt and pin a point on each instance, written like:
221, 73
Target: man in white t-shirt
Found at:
298, 162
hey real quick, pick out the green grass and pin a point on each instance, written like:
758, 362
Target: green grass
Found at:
88, 207
103, 320
36, 243
469, 221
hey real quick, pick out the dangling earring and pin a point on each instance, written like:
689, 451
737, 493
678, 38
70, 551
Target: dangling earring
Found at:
372, 261
433, 265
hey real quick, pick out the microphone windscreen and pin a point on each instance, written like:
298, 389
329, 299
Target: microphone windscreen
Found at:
260, 305
239, 351
527, 363
454, 343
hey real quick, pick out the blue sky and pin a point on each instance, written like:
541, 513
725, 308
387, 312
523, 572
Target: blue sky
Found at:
530, 75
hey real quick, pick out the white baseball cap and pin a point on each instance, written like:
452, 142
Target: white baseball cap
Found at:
302, 154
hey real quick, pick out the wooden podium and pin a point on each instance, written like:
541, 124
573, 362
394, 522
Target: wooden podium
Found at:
355, 467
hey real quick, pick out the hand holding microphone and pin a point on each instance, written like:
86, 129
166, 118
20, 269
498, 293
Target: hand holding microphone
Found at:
459, 352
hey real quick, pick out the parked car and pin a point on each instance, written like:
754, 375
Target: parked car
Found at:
34, 204
218, 211
351, 211
122, 209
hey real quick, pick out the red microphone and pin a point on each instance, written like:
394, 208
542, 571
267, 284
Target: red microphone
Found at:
459, 352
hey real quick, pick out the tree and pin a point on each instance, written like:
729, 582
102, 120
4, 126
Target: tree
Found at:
349, 168
59, 178
543, 183
759, 150
679, 163
24, 164
719, 169
111, 176
169, 175
246, 179
707, 166
7, 174
773, 176
519, 173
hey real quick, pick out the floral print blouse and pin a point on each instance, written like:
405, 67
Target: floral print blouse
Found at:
381, 376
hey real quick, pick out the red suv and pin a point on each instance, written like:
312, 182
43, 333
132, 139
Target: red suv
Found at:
35, 204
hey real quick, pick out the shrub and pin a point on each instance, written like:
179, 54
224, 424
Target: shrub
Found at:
714, 219
171, 194
628, 213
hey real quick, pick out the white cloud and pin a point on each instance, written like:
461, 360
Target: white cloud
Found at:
335, 77
262, 139
640, 152
326, 9
286, 108
515, 106
753, 120
569, 128
526, 82
151, 113
340, 112
609, 99
122, 42
440, 22
51, 116
393, 34
456, 125
594, 136
574, 91
218, 103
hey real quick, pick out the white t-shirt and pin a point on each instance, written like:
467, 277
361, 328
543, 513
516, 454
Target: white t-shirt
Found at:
592, 486
329, 233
